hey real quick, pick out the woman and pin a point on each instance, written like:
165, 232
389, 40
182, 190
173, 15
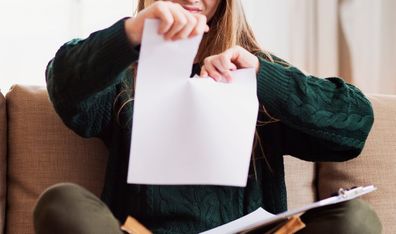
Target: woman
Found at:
90, 83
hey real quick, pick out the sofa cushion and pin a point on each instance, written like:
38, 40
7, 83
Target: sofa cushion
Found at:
3, 159
42, 152
374, 166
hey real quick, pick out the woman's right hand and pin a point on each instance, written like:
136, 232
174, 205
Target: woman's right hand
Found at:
175, 22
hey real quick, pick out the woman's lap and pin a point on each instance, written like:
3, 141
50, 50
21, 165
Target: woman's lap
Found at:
69, 208
350, 217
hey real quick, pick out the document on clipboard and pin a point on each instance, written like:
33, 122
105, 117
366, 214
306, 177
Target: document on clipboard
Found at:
261, 218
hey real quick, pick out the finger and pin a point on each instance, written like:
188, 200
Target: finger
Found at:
203, 72
223, 70
163, 13
180, 21
227, 76
238, 56
187, 29
212, 71
226, 61
206, 28
200, 27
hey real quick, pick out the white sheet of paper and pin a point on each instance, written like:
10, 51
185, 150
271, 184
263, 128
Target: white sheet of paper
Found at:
189, 130
240, 224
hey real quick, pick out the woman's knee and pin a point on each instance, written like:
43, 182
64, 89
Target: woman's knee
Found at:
57, 206
354, 216
360, 217
58, 196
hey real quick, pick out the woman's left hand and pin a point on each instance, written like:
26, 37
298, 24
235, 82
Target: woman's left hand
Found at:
219, 66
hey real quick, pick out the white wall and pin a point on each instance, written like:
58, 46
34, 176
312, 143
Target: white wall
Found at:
370, 30
32, 31
270, 22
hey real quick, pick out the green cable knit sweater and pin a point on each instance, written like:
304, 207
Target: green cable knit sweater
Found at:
320, 120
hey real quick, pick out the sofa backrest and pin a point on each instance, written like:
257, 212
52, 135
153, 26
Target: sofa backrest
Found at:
3, 159
376, 164
42, 152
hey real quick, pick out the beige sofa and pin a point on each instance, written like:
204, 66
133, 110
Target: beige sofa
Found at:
42, 151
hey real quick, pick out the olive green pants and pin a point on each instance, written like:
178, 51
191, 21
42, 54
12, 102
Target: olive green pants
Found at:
71, 209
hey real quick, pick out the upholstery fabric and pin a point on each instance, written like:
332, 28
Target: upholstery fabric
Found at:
374, 166
42, 152
300, 185
3, 159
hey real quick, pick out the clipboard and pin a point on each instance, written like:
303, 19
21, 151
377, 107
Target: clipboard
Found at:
261, 218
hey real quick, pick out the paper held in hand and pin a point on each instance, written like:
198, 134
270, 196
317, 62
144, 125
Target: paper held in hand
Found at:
189, 130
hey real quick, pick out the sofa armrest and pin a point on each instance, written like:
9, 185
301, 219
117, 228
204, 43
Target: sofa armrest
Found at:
376, 165
42, 152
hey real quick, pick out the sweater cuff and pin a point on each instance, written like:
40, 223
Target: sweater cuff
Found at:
273, 82
117, 46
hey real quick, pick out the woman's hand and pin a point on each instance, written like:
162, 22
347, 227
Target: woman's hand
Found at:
175, 22
219, 66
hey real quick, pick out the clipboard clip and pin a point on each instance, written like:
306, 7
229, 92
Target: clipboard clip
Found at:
342, 192
355, 191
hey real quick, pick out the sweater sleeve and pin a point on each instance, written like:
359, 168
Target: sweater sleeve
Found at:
83, 77
321, 119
